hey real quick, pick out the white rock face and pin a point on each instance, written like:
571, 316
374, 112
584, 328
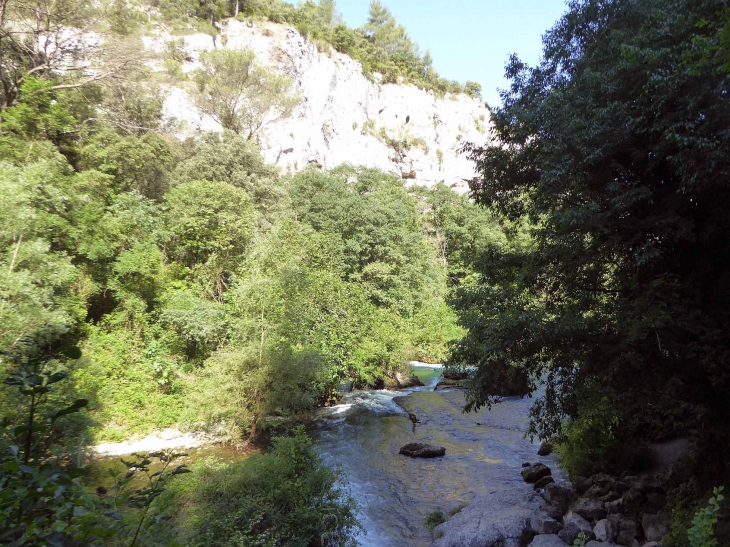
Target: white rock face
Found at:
341, 114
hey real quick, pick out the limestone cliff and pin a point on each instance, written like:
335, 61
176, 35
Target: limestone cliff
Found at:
342, 114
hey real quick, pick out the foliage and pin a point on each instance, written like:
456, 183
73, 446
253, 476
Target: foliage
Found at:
240, 94
623, 194
433, 519
700, 534
283, 497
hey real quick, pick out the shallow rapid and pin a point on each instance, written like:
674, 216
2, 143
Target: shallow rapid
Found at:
484, 453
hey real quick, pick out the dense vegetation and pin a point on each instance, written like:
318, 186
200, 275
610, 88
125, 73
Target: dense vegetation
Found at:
205, 290
615, 150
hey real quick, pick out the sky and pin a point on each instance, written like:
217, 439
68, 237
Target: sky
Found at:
470, 39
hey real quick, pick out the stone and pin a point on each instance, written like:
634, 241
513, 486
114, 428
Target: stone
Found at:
419, 450
613, 507
655, 526
573, 525
502, 518
656, 501
547, 540
405, 381
558, 496
652, 544
595, 492
605, 530
545, 449
628, 531
602, 479
535, 472
541, 523
594, 543
611, 496
589, 509
581, 484
632, 501
543, 482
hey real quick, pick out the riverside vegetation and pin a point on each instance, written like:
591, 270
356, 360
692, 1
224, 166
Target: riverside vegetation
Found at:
207, 290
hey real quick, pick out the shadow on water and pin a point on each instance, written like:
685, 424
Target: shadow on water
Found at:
484, 453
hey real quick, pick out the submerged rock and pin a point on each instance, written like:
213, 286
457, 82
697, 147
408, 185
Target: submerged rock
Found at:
419, 450
533, 473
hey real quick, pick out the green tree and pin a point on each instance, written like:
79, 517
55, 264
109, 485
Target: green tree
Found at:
616, 150
239, 93
385, 31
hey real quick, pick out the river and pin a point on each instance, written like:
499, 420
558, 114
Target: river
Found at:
484, 453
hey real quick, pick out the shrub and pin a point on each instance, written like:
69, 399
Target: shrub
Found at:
284, 497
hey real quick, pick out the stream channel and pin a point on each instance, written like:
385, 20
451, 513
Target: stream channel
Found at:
484, 453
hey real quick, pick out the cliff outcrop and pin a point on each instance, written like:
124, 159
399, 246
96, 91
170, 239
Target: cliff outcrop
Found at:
343, 117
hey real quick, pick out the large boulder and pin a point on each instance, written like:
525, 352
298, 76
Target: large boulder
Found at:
589, 509
558, 496
542, 523
547, 540
543, 482
403, 380
419, 450
655, 526
628, 532
502, 518
581, 484
605, 530
545, 449
532, 473
573, 525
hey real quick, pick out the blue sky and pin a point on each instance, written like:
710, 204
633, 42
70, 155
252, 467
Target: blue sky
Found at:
470, 39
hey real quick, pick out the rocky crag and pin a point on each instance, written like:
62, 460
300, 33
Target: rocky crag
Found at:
343, 116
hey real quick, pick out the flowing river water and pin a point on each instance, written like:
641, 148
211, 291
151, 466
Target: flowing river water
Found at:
484, 453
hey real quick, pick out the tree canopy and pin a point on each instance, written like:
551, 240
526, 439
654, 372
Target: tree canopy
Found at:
615, 148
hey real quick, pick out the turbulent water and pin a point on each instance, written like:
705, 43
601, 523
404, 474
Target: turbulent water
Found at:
484, 453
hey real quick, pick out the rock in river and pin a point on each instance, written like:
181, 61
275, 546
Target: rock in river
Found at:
533, 473
418, 450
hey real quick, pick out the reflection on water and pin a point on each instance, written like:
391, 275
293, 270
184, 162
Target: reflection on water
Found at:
484, 453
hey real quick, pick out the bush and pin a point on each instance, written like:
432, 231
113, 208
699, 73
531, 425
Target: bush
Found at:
595, 441
283, 497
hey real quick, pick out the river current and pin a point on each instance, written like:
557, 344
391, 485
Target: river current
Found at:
484, 453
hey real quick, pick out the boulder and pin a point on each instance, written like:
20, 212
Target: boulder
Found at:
595, 492
419, 450
545, 449
573, 525
533, 473
558, 496
611, 496
405, 381
613, 507
632, 501
502, 518
594, 543
655, 526
581, 484
589, 509
652, 544
542, 523
547, 540
628, 531
543, 482
602, 479
605, 530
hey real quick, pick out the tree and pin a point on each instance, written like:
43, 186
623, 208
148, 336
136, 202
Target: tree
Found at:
385, 31
615, 148
239, 93
50, 39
